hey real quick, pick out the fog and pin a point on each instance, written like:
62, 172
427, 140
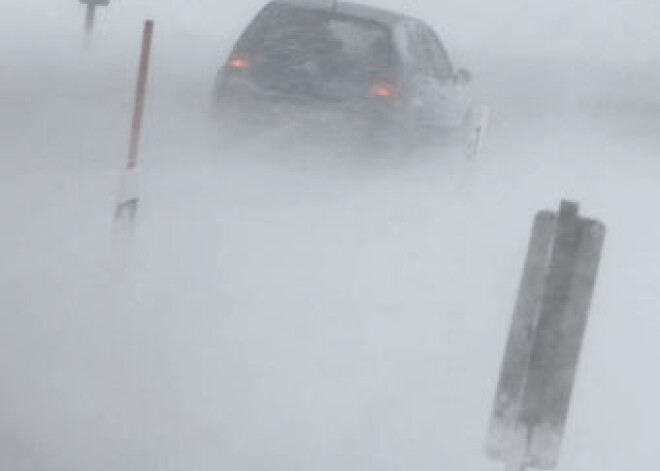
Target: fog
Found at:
299, 312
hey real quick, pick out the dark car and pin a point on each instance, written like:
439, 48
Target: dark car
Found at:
335, 69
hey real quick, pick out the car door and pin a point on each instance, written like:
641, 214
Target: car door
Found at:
438, 101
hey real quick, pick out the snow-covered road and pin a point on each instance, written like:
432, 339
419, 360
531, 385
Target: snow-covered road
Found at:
284, 314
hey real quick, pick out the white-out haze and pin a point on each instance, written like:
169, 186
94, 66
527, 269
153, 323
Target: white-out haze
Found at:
277, 313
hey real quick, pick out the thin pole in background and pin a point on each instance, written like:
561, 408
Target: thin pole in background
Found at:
90, 14
89, 18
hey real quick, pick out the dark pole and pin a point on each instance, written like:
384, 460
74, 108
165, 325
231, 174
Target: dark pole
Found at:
89, 18
90, 14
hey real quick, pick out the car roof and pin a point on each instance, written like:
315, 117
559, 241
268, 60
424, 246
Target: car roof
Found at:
356, 10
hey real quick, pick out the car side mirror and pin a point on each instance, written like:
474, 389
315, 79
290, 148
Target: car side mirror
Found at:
463, 76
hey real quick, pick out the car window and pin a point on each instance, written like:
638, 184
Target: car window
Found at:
422, 62
334, 42
439, 54
356, 39
429, 55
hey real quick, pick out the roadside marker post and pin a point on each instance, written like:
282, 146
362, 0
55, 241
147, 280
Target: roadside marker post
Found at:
129, 195
471, 142
91, 12
477, 133
545, 339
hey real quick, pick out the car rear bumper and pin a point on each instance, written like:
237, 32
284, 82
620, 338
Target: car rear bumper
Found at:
306, 120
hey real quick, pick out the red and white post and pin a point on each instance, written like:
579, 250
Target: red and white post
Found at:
129, 195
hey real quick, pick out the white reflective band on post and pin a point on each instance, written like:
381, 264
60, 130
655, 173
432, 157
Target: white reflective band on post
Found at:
129, 186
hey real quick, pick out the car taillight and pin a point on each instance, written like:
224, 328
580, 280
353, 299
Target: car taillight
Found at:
238, 63
383, 90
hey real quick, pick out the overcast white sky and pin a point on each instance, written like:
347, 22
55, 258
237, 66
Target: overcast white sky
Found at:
599, 28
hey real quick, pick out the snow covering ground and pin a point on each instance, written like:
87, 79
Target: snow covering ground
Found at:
281, 313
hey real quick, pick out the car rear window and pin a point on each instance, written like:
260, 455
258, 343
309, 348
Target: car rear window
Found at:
329, 41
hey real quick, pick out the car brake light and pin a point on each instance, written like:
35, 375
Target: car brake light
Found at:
238, 63
383, 90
